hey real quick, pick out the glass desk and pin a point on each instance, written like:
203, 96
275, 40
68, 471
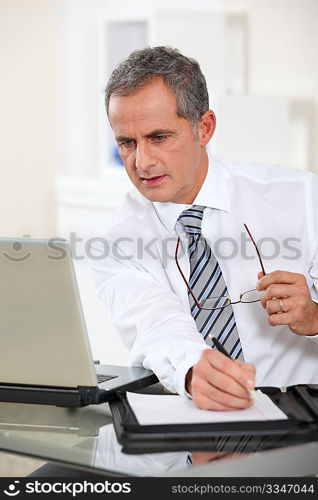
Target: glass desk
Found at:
84, 438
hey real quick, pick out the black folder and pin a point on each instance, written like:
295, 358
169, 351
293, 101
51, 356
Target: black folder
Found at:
298, 402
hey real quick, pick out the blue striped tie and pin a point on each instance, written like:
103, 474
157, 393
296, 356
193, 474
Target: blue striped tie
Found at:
206, 280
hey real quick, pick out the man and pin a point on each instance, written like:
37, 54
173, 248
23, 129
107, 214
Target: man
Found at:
157, 105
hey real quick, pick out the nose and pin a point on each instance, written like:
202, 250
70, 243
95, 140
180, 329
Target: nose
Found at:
144, 156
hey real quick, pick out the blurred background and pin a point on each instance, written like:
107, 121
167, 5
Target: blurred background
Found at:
60, 172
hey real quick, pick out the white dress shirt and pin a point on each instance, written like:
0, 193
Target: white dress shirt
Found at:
147, 300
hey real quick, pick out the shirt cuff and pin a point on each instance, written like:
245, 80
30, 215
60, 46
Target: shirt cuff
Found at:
313, 337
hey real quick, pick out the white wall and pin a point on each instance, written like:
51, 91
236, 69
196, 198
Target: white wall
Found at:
282, 52
29, 117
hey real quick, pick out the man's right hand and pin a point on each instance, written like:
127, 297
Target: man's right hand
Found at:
217, 382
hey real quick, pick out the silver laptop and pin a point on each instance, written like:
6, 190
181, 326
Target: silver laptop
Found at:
45, 355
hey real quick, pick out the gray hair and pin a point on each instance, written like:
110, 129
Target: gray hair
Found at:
181, 74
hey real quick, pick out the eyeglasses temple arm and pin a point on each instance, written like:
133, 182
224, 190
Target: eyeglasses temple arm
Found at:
258, 254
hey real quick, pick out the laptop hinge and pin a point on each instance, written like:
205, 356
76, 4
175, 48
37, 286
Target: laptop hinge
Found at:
89, 395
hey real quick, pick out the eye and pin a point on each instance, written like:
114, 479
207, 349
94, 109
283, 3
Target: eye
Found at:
160, 138
127, 143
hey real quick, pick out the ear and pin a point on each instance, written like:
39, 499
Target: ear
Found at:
206, 127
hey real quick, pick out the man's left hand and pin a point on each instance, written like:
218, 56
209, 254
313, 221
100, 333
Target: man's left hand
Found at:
287, 301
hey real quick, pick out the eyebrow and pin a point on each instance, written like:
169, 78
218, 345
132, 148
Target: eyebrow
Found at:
122, 138
160, 131
153, 133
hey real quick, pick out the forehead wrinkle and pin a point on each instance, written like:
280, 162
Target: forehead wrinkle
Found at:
150, 128
134, 113
123, 118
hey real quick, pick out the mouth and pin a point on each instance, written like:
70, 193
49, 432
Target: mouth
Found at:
153, 181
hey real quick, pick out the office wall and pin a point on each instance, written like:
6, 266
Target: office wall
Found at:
283, 42
282, 52
29, 123
36, 142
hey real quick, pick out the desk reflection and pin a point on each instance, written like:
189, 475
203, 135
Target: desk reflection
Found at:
108, 456
86, 438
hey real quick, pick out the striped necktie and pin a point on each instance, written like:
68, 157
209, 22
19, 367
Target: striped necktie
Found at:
206, 280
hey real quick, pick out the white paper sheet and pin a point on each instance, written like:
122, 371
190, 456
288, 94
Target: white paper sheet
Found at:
153, 409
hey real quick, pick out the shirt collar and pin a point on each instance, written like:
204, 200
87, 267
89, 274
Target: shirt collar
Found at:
214, 194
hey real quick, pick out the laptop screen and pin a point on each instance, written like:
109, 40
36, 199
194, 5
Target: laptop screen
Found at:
43, 334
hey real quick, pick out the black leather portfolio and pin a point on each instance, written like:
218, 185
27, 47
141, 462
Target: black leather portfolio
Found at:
298, 402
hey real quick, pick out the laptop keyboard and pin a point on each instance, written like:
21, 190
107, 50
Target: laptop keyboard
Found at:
103, 378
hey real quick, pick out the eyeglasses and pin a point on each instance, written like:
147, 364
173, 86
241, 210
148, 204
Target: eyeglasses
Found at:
212, 303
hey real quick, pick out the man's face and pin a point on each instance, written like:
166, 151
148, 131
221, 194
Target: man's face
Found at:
162, 156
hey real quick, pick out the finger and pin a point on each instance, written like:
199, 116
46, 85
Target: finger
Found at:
206, 403
277, 291
277, 277
229, 385
280, 319
230, 376
210, 397
246, 366
278, 306
201, 457
226, 384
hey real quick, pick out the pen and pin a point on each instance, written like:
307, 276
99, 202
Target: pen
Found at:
222, 349
219, 346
